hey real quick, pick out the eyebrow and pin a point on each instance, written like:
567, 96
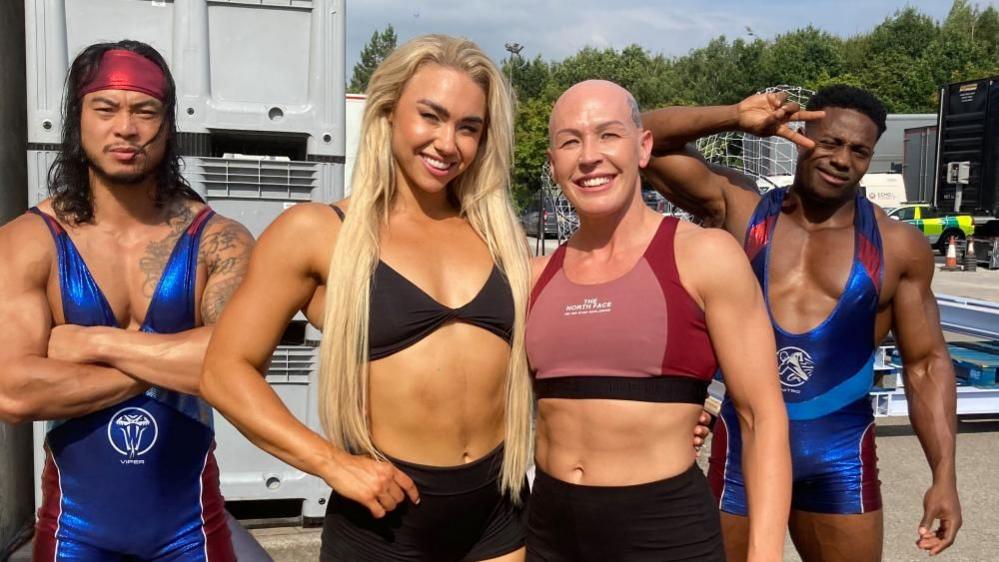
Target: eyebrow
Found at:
99, 99
444, 113
602, 126
142, 104
609, 124
842, 140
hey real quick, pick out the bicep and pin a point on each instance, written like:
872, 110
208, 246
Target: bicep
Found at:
227, 246
739, 327
25, 320
701, 188
279, 281
915, 316
25, 316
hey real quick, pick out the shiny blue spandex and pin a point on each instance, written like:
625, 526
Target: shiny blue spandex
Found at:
825, 375
137, 480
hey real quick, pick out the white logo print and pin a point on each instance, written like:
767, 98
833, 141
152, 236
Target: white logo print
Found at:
796, 366
132, 432
588, 306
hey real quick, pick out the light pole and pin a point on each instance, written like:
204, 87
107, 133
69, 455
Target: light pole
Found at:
514, 49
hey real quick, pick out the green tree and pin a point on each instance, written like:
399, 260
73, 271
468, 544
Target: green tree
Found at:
529, 78
531, 145
720, 73
889, 62
904, 60
381, 44
800, 57
645, 75
965, 49
908, 32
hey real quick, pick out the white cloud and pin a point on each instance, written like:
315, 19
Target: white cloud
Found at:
556, 29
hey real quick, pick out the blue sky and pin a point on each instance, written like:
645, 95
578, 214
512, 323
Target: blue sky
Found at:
556, 29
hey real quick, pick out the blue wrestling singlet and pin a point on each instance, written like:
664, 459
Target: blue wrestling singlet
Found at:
137, 480
825, 375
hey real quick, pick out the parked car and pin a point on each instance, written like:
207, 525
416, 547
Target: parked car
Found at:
529, 219
654, 200
938, 227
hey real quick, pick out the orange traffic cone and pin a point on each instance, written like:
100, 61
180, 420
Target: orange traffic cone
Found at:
970, 258
951, 263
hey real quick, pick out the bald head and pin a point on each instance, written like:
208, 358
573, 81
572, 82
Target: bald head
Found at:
593, 93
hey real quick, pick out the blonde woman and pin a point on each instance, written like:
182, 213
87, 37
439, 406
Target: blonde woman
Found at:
419, 282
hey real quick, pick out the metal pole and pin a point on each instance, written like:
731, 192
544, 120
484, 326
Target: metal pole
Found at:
540, 247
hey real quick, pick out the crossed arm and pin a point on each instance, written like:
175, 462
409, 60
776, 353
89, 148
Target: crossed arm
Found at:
170, 361
55, 372
33, 386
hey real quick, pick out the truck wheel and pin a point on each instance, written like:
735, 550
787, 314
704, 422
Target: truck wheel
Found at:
945, 239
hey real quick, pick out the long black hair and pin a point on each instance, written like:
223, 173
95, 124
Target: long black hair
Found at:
69, 177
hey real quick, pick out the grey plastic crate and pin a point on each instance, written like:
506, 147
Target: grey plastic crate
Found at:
270, 66
248, 473
255, 192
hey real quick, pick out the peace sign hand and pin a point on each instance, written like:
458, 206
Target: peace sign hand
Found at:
767, 115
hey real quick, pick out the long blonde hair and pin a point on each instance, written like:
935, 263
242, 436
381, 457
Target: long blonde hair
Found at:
483, 194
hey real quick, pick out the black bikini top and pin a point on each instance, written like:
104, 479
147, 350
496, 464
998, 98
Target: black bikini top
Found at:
402, 314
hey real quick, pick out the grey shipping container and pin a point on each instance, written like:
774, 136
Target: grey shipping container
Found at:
889, 152
259, 66
919, 163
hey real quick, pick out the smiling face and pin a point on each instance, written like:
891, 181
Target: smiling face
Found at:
121, 134
437, 125
596, 147
844, 145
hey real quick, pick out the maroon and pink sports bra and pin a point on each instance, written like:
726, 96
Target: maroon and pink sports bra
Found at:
639, 337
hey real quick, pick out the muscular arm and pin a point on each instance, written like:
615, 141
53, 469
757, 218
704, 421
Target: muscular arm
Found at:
929, 382
280, 281
673, 127
32, 385
743, 341
170, 361
283, 276
719, 196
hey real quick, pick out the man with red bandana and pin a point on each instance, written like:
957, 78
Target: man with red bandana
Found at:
108, 291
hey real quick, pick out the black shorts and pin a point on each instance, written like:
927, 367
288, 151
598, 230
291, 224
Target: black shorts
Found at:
462, 516
667, 520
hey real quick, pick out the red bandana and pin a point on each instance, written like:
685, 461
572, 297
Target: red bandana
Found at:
125, 70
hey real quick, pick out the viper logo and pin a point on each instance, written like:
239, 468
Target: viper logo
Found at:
132, 432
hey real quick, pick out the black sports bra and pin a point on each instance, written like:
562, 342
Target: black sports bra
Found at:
402, 314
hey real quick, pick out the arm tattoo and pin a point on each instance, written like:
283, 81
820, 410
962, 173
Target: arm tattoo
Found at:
226, 255
158, 252
216, 297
